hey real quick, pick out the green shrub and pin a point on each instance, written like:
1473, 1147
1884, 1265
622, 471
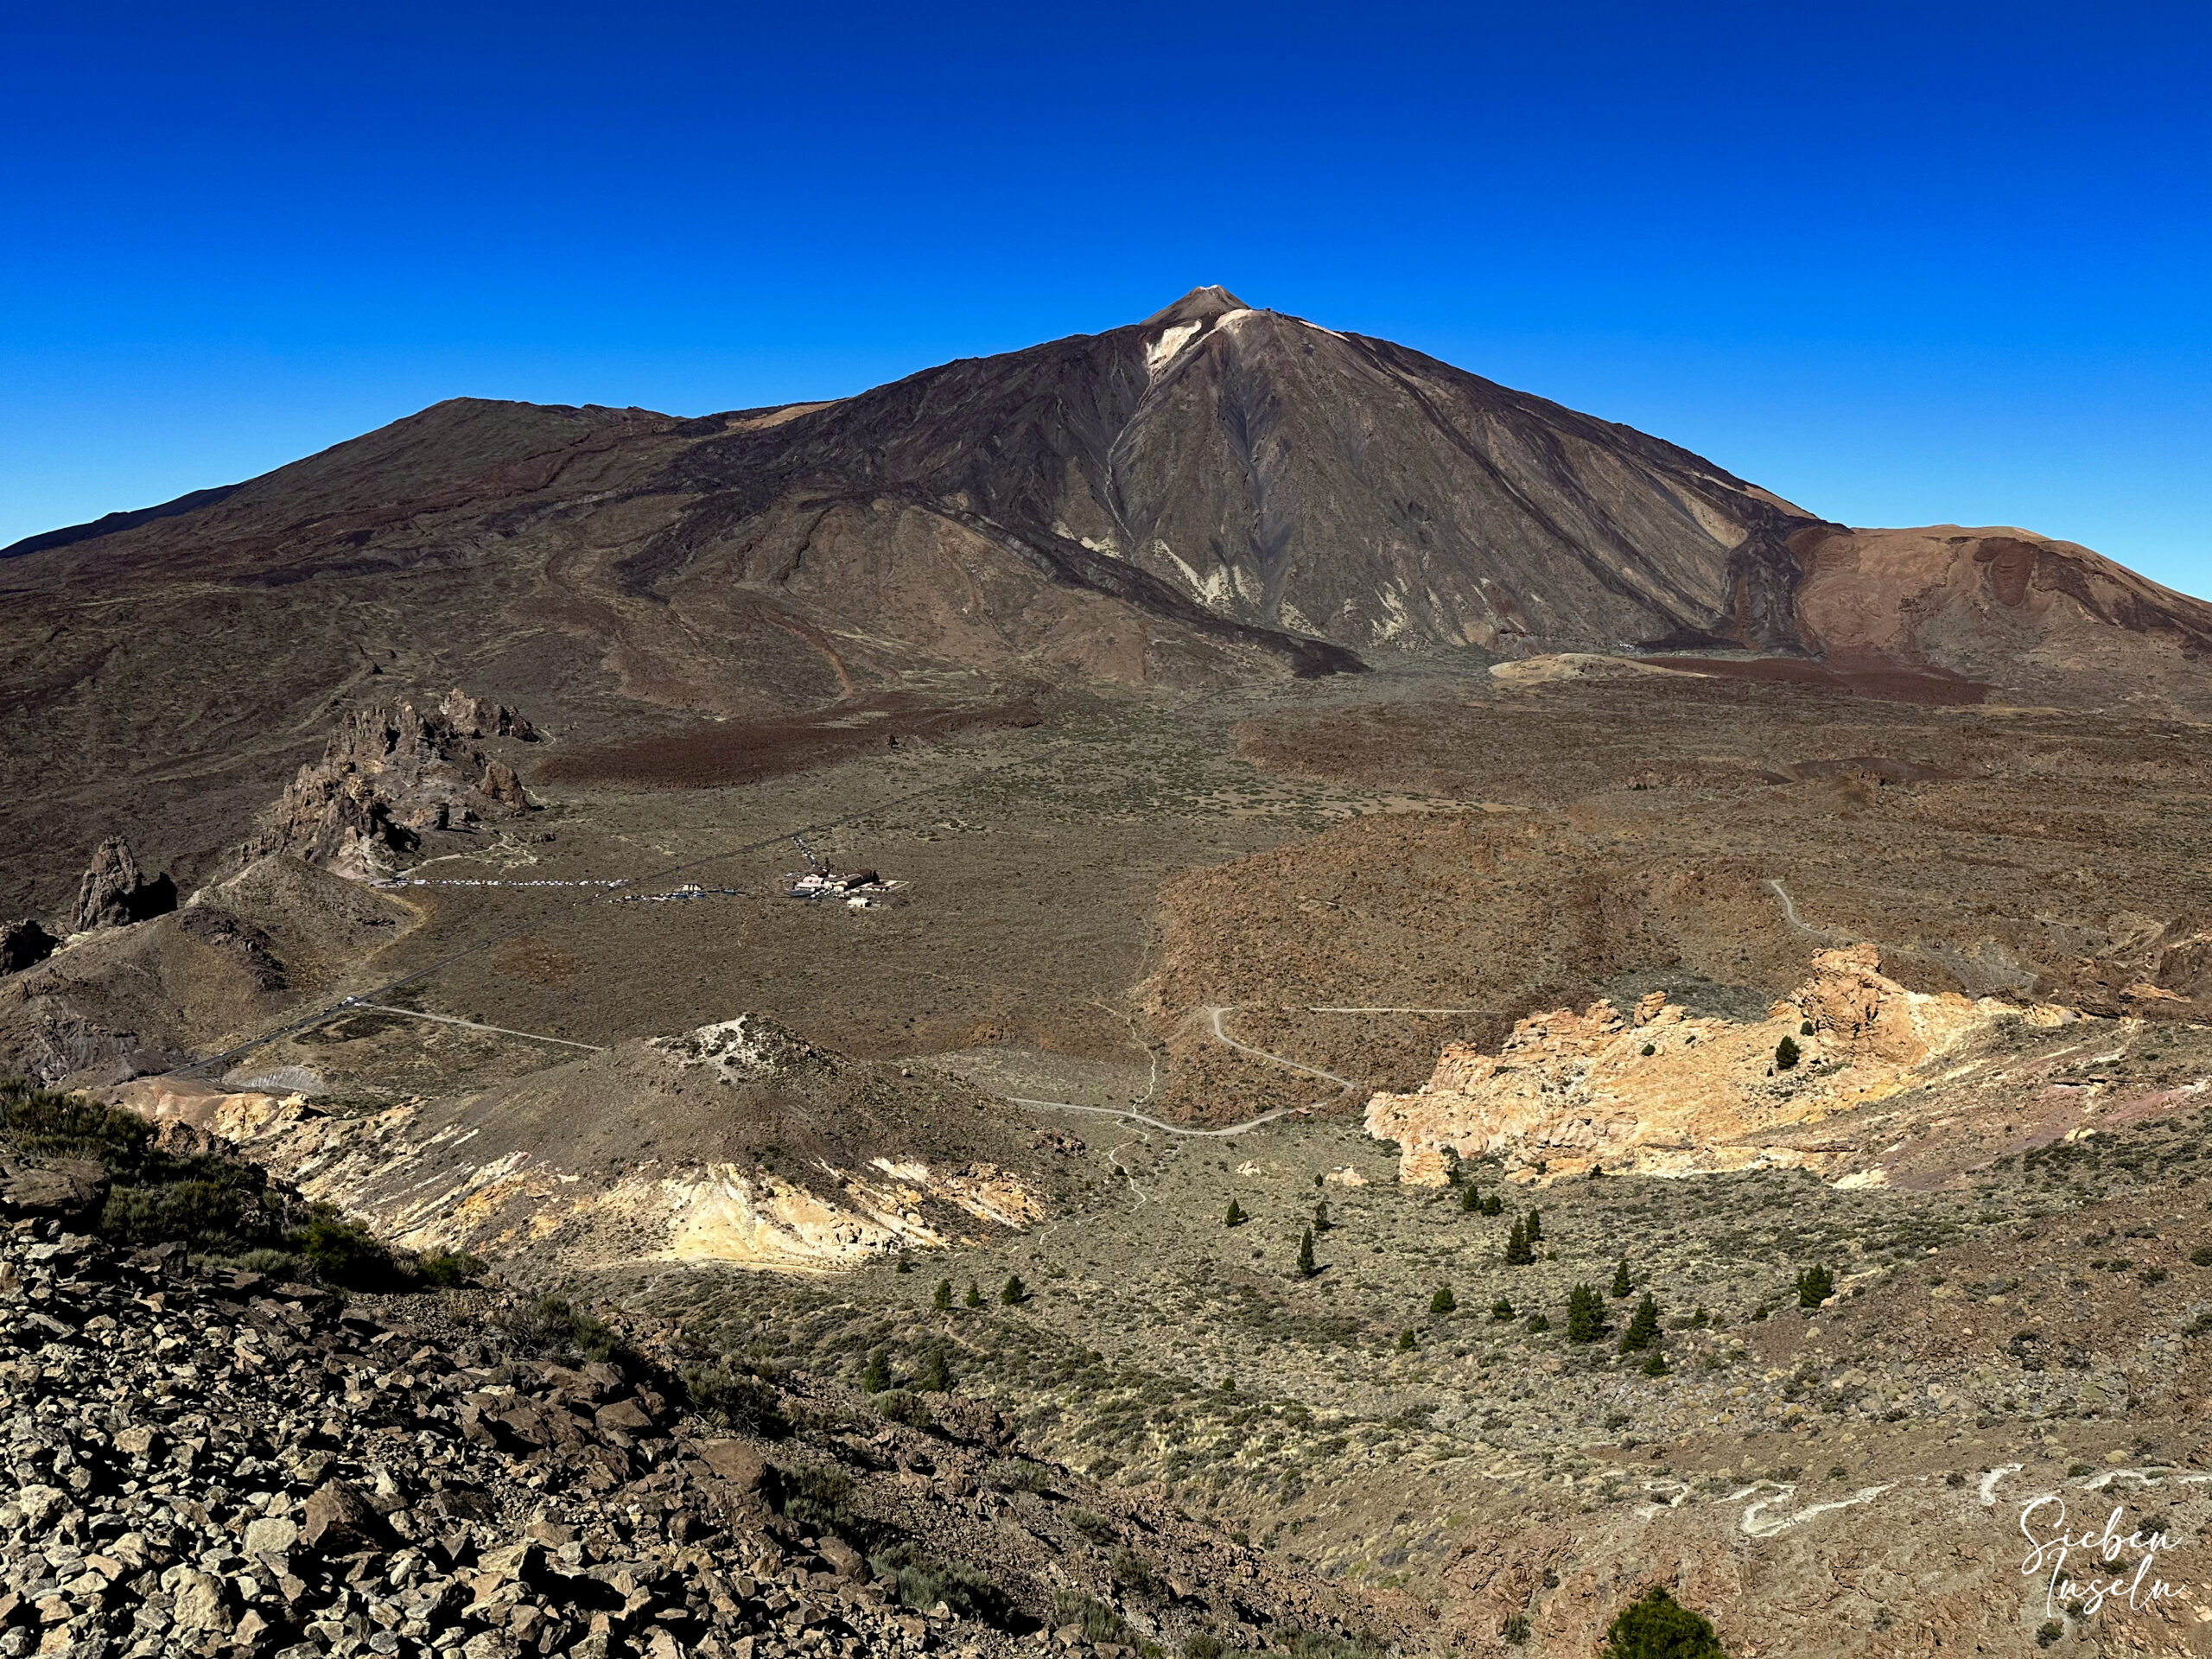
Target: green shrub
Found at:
447, 1268
923, 1580
821, 1501
1786, 1054
1501, 1310
1091, 1524
1539, 1324
1099, 1622
1405, 1342
1814, 1285
345, 1252
1657, 1626
1444, 1301
1236, 1217
1014, 1293
1205, 1645
1806, 1029
876, 1377
1136, 1571
1471, 1199
903, 1406
549, 1328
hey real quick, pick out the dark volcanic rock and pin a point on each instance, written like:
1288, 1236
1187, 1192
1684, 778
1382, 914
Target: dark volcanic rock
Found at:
391, 772
23, 945
115, 891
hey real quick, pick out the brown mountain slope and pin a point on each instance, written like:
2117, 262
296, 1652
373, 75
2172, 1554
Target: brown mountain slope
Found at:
1216, 494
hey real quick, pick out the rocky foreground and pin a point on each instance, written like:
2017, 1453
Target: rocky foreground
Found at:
204, 1461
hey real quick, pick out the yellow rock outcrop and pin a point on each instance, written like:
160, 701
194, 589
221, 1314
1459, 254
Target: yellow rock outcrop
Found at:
1664, 1091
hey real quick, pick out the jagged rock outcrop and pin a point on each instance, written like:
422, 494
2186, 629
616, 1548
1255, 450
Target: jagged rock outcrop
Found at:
115, 892
1664, 1092
391, 772
481, 717
23, 945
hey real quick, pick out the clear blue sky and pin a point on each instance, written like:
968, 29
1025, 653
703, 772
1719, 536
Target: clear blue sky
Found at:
1902, 263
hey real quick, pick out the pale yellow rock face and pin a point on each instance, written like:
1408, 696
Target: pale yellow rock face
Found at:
1569, 1090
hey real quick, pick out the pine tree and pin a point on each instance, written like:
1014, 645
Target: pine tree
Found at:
1405, 1342
1539, 1324
1656, 1365
1471, 1199
1494, 1204
1321, 1222
1586, 1315
1236, 1216
936, 1375
1501, 1310
1621, 1285
1306, 1268
1785, 1054
1444, 1301
943, 1298
905, 1264
1014, 1292
1535, 1225
974, 1296
1642, 1326
1814, 1285
1517, 1253
877, 1377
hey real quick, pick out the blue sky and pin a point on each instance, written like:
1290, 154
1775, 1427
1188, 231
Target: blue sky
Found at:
1902, 264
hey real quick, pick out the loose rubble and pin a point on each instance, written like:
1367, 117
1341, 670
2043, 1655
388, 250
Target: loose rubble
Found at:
209, 1461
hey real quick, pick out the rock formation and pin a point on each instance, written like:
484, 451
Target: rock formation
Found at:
1664, 1092
115, 892
391, 772
23, 945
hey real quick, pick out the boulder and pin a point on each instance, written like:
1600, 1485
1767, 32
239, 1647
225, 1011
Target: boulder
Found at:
341, 1522
66, 1188
23, 945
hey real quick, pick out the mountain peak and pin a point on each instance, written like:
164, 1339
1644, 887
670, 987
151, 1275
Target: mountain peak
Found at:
1200, 305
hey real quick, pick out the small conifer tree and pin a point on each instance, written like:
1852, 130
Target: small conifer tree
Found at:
1517, 1253
1805, 1030
1539, 1324
1656, 1364
943, 1298
936, 1375
1535, 1225
1405, 1342
1014, 1292
1785, 1054
974, 1296
1643, 1325
1444, 1301
1586, 1315
1501, 1312
1236, 1216
1494, 1204
1471, 1199
1306, 1268
1621, 1285
1814, 1285
905, 1264
877, 1377
1321, 1222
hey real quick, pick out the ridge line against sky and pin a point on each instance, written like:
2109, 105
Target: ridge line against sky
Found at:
1903, 266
